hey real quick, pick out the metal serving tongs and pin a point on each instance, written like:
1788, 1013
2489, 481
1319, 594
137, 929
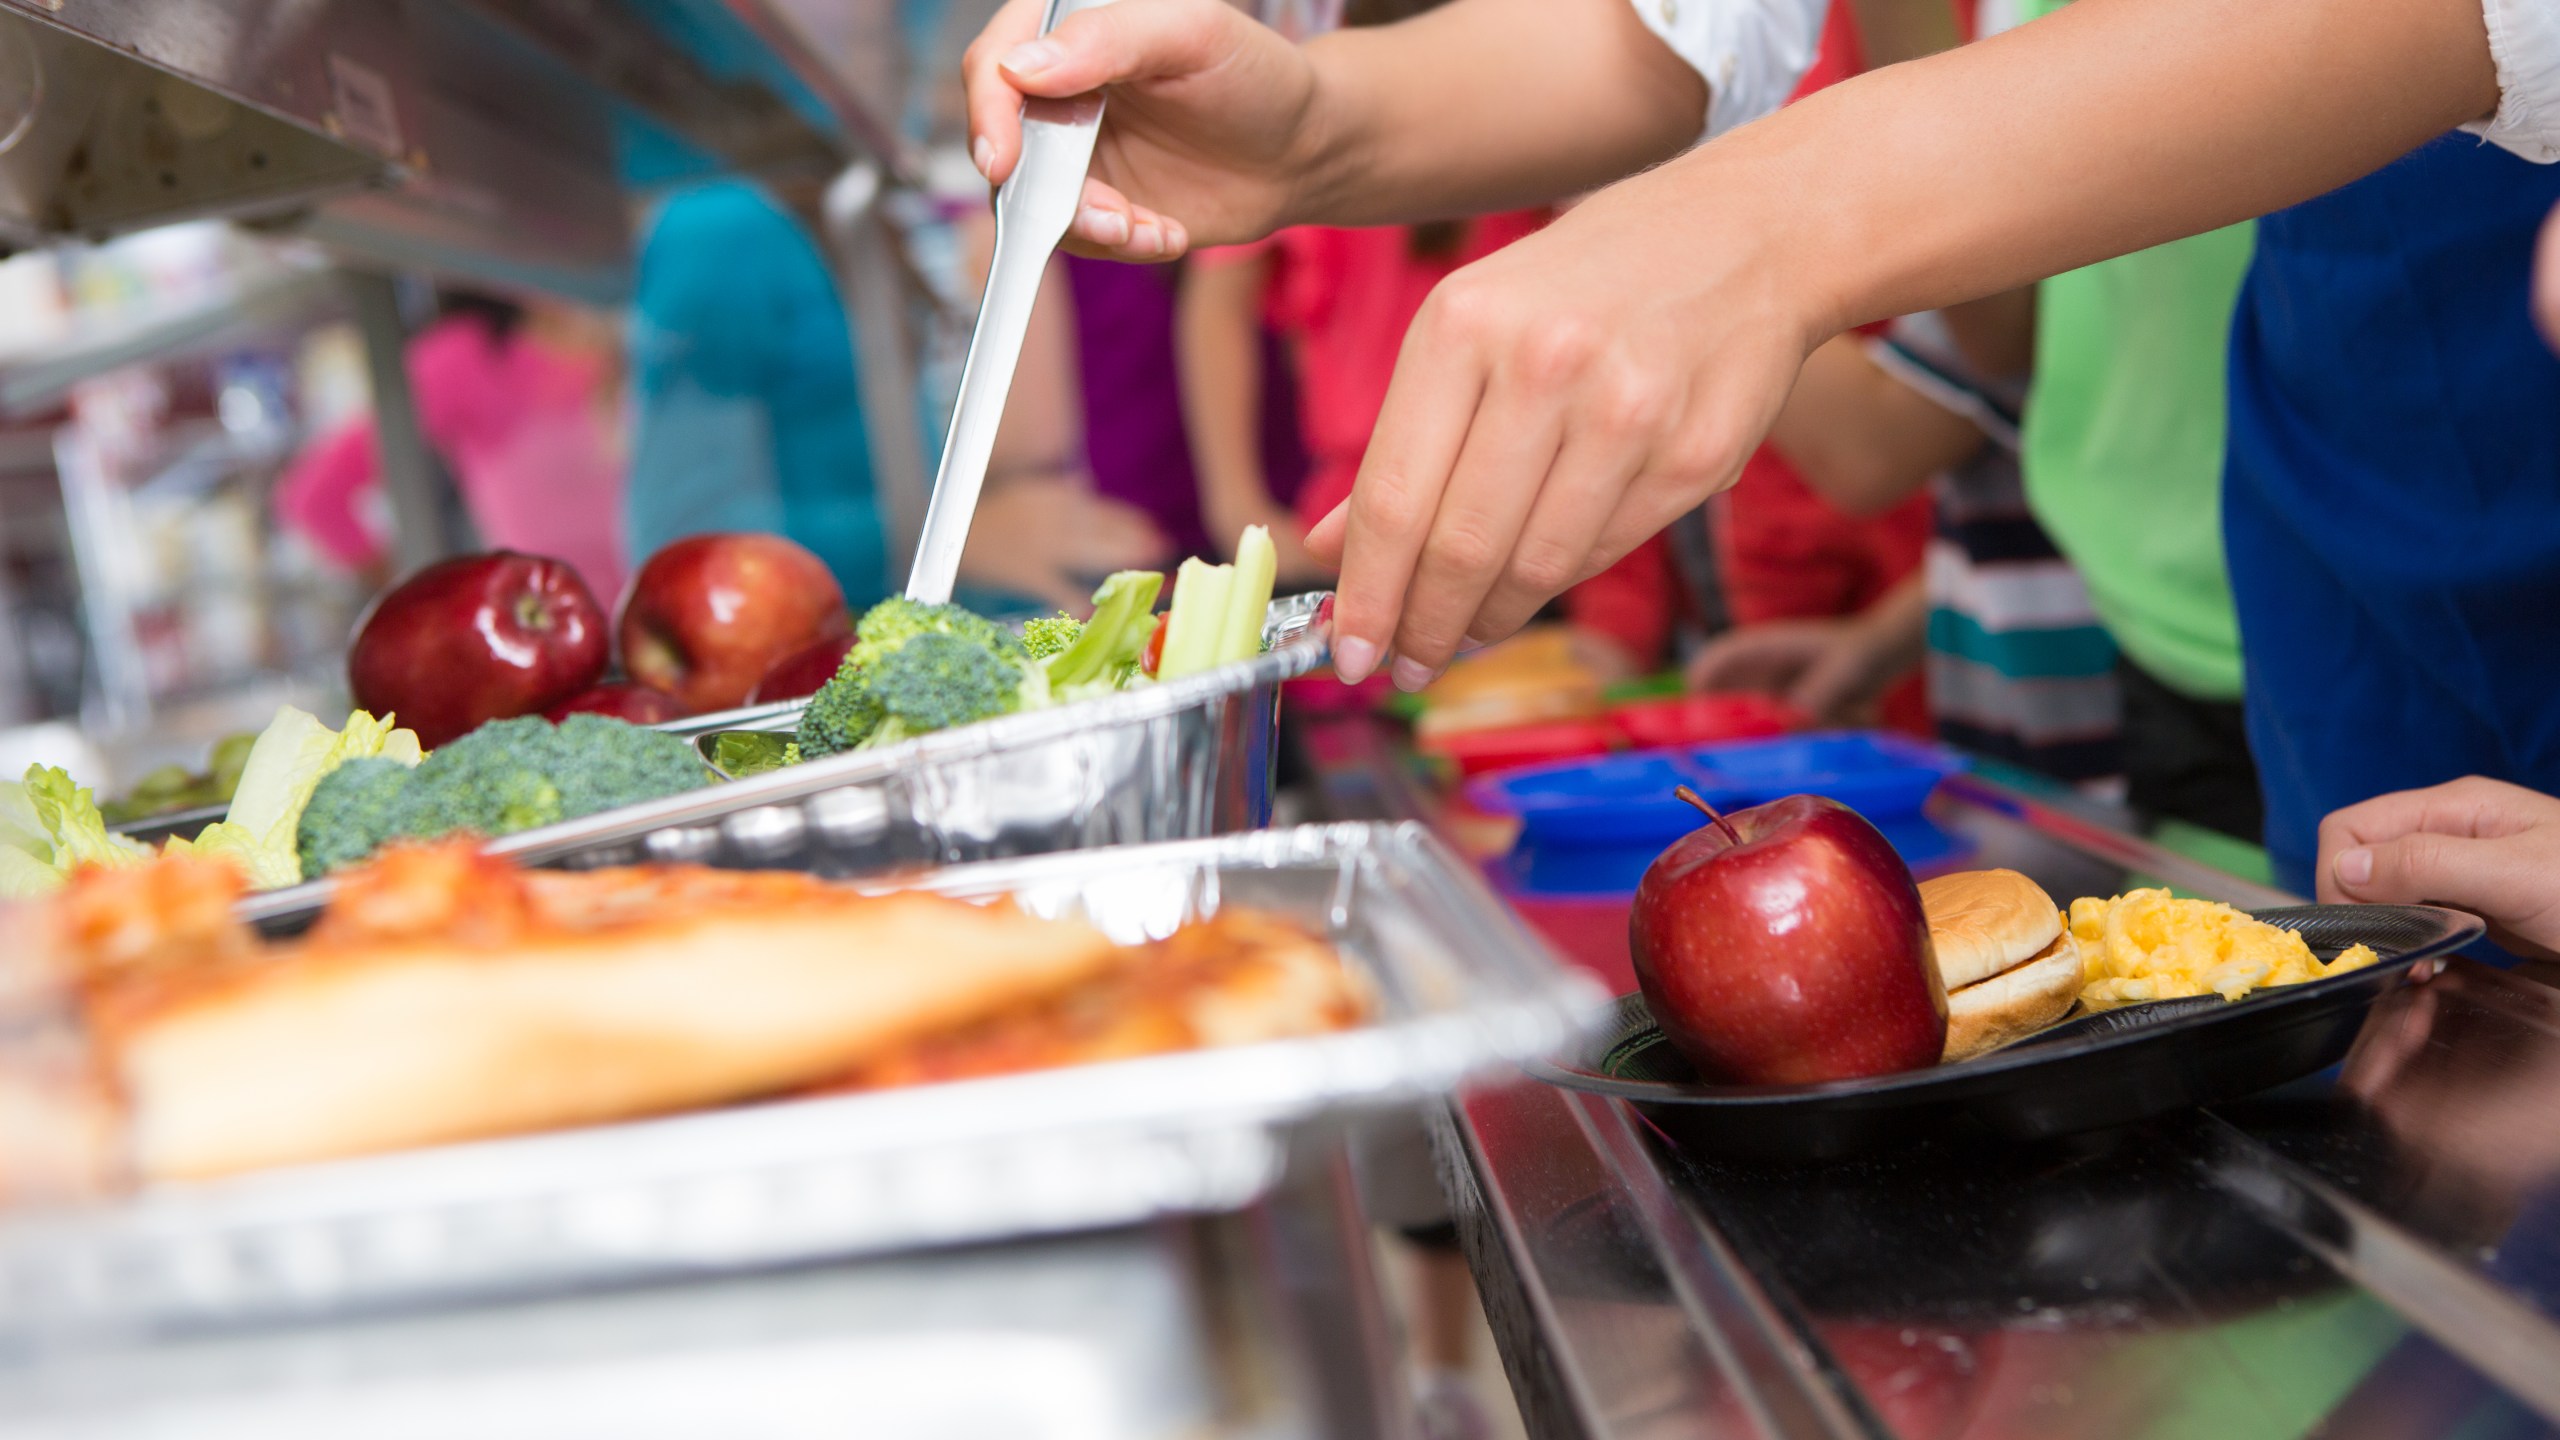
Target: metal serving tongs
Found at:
1033, 210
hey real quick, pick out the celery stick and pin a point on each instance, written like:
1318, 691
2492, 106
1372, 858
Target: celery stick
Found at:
1198, 623
1123, 619
1257, 568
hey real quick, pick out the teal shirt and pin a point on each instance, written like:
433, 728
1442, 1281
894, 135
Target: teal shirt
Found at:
746, 410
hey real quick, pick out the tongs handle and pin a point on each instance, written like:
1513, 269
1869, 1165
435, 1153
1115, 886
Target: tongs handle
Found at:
1033, 209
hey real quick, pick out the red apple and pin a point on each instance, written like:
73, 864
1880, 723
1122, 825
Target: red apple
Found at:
803, 671
707, 616
477, 638
623, 701
1785, 944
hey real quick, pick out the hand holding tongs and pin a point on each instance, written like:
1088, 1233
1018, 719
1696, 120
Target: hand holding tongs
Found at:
1033, 210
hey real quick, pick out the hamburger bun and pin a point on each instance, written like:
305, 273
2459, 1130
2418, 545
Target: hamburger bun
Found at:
2014, 1004
2009, 966
1985, 921
1531, 678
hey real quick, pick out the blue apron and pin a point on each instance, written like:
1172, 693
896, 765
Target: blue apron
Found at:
2391, 506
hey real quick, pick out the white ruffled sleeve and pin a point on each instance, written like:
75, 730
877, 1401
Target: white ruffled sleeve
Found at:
2524, 38
1752, 53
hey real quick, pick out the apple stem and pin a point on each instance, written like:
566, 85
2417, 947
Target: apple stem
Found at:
1692, 796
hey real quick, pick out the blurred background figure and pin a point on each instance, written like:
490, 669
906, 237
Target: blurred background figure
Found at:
520, 404
746, 411
2018, 668
1786, 557
1137, 401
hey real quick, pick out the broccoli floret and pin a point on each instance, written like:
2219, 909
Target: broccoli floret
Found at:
896, 620
350, 814
601, 763
848, 711
1050, 634
506, 776
840, 716
939, 680
496, 780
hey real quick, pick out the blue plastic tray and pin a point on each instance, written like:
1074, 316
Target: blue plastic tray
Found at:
1590, 827
1602, 871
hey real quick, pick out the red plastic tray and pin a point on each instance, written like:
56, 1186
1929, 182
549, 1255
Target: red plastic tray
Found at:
1704, 720
1479, 752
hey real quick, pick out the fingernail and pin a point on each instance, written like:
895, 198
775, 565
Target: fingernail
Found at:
1175, 237
984, 155
1353, 659
1412, 675
1105, 227
2355, 867
1031, 57
1147, 238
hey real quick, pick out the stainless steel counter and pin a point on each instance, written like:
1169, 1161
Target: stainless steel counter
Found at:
2374, 1252
1260, 1325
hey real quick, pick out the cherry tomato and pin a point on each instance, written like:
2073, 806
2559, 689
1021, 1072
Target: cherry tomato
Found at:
1155, 645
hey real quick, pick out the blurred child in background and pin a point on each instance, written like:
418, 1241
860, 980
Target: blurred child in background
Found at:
746, 411
2018, 667
520, 404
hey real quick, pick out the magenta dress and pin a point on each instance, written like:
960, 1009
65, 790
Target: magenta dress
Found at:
1134, 438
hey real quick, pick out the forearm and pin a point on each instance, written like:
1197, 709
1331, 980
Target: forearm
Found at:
1219, 350
1895, 629
1488, 105
1997, 333
2107, 127
1042, 432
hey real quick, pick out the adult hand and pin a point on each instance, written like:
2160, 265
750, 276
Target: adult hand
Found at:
1555, 404
1049, 538
1205, 141
1826, 668
2476, 844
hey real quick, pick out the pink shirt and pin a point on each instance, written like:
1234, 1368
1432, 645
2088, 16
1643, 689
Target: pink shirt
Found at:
517, 422
1343, 299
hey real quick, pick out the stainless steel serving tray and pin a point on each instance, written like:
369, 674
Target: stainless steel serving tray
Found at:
1167, 762
1461, 985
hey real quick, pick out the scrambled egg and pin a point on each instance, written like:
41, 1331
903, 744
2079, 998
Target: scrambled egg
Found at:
2146, 945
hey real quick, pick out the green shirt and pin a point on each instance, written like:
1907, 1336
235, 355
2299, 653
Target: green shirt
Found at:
2122, 446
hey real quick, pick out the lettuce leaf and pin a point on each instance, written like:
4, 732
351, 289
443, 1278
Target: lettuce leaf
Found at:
286, 764
50, 827
741, 753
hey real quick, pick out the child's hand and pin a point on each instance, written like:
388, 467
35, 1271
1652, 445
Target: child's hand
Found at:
1829, 669
2476, 844
1049, 538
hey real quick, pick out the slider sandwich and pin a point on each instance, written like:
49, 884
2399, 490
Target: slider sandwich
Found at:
2009, 965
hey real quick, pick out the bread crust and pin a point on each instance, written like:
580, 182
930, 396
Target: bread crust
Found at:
1982, 922
593, 1007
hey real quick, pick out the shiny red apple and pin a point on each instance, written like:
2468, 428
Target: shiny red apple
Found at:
623, 701
803, 671
1785, 944
707, 616
477, 638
